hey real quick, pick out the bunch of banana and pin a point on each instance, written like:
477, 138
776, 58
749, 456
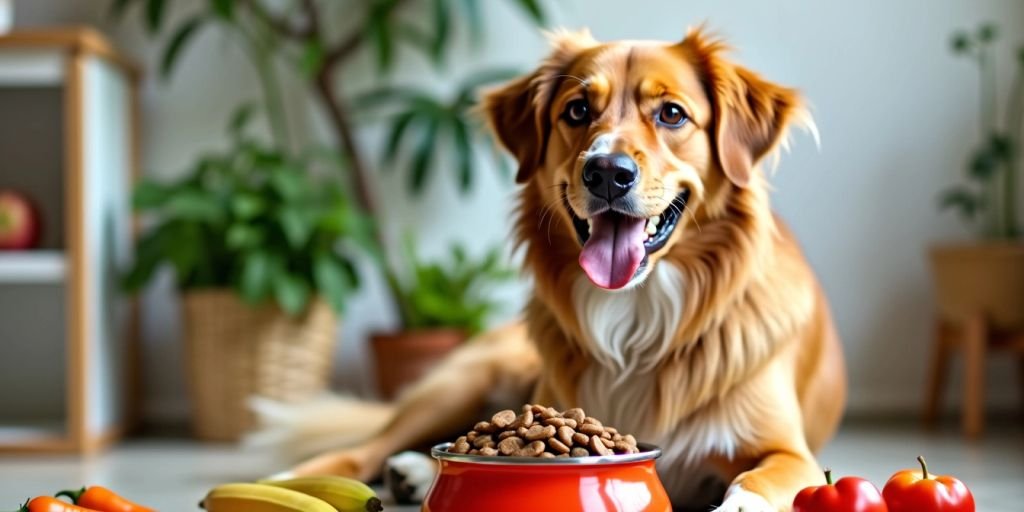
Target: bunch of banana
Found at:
306, 494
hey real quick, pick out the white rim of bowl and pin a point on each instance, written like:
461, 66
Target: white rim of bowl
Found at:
647, 452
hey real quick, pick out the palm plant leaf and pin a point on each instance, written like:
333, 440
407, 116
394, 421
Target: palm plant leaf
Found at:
423, 156
464, 153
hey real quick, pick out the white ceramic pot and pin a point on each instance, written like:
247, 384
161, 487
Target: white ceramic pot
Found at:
6, 16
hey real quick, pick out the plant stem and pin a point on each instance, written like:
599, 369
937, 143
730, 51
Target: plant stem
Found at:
333, 100
339, 119
1015, 117
988, 129
828, 476
924, 466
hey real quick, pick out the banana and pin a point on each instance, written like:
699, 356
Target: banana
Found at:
344, 494
261, 498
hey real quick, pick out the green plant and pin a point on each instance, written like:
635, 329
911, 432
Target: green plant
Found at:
323, 40
990, 196
417, 108
449, 295
256, 219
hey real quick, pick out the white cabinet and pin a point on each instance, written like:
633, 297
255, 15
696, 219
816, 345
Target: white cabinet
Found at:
68, 140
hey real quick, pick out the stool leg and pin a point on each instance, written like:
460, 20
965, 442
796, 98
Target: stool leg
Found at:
1020, 378
937, 369
975, 341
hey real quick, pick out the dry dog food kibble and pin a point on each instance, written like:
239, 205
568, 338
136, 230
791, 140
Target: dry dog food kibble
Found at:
543, 432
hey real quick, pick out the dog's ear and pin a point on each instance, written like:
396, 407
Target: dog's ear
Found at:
517, 111
751, 115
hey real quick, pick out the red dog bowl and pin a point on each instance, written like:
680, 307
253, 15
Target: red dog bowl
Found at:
474, 483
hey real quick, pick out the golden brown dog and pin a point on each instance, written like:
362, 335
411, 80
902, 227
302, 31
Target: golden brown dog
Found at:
668, 301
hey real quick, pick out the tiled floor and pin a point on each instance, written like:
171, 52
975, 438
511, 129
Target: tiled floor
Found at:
173, 475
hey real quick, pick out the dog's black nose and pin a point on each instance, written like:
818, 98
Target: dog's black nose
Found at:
610, 176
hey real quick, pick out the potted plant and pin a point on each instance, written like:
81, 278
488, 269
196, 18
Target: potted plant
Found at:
441, 305
329, 44
256, 239
986, 276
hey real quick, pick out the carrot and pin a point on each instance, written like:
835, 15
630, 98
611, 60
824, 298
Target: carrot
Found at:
103, 500
48, 504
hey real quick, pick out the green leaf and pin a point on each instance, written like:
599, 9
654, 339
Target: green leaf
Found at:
174, 48
961, 42
1000, 147
149, 195
422, 157
533, 9
312, 58
415, 36
224, 8
240, 119
983, 164
379, 30
332, 280
155, 10
246, 205
297, 226
412, 98
290, 184
257, 274
399, 125
961, 199
291, 292
464, 152
149, 254
244, 236
194, 205
442, 26
475, 19
987, 32
185, 249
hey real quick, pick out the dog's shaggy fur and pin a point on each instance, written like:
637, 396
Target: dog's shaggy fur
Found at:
720, 348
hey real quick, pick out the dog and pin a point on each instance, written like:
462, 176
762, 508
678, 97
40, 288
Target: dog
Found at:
668, 299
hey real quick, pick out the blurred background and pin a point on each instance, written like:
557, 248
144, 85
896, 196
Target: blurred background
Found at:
317, 208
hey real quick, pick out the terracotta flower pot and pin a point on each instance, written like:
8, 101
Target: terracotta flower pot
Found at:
405, 356
985, 278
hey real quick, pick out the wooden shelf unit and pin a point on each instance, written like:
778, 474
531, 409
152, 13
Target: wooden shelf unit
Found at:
69, 138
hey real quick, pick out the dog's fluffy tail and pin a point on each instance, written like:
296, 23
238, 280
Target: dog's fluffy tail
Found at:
323, 423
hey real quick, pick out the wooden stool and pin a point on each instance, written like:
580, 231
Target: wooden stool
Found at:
975, 338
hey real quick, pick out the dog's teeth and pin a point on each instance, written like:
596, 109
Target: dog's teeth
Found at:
590, 226
654, 220
652, 228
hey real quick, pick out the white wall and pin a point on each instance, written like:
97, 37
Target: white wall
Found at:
895, 109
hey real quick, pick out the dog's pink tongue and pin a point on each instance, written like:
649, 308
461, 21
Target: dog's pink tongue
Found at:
614, 250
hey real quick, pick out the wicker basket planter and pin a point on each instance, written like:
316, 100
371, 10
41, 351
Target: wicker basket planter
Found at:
234, 351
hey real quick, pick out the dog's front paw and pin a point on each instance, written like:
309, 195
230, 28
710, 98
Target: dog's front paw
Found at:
409, 475
739, 499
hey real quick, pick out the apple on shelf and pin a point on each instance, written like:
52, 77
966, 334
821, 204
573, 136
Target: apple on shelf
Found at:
19, 222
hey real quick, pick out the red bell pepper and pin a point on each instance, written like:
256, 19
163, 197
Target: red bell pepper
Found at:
849, 494
918, 491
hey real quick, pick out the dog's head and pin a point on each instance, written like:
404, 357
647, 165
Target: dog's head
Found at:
634, 142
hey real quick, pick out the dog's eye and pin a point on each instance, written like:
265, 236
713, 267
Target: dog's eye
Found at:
577, 112
672, 115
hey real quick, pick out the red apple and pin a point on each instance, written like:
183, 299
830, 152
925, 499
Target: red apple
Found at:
19, 222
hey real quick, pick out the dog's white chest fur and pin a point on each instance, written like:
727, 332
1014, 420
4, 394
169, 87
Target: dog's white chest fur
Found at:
631, 332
